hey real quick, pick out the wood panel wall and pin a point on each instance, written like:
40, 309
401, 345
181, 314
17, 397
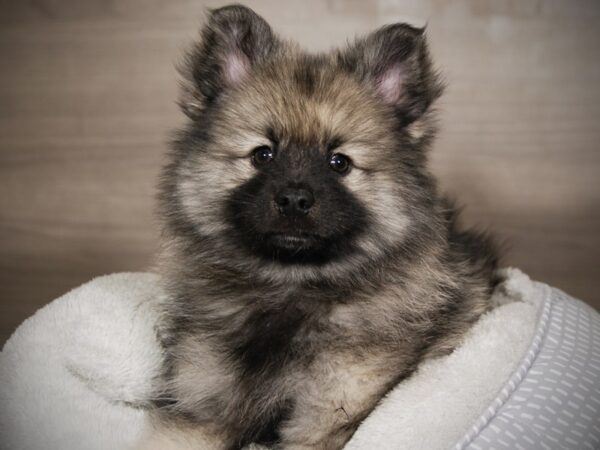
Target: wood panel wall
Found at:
87, 104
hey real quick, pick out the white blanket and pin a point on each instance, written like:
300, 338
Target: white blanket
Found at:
75, 375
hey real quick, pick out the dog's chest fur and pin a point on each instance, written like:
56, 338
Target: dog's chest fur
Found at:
273, 336
250, 360
270, 352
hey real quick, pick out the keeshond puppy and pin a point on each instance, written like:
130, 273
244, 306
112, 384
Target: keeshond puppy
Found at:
309, 260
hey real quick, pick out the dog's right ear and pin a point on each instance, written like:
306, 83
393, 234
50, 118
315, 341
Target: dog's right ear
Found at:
234, 40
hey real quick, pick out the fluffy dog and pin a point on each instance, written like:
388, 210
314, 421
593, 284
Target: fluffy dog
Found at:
310, 261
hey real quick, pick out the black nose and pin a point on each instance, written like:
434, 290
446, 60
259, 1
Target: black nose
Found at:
294, 201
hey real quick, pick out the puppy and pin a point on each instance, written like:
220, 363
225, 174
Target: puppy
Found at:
309, 260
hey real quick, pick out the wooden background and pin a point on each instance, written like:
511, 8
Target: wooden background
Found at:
87, 90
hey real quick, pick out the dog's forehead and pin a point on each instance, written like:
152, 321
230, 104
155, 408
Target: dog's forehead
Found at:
314, 105
309, 101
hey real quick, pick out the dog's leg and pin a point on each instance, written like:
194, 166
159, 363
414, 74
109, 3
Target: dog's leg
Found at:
339, 393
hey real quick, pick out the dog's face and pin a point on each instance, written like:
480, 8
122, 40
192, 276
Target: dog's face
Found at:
298, 159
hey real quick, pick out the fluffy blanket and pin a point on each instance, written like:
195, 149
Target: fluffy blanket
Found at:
75, 375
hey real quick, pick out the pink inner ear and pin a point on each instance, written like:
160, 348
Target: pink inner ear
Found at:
391, 85
237, 67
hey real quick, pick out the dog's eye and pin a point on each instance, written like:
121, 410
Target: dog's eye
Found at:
340, 163
262, 155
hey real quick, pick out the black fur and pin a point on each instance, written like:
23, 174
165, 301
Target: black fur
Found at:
330, 232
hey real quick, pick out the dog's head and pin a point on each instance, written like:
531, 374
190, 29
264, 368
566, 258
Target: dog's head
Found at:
302, 160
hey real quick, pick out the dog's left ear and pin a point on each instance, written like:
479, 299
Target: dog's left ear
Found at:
394, 62
232, 43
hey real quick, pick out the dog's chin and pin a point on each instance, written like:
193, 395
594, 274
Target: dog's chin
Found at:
295, 248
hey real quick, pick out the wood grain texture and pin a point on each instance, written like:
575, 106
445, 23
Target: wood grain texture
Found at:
87, 104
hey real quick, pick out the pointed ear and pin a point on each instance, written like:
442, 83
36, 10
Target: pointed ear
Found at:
234, 40
394, 62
